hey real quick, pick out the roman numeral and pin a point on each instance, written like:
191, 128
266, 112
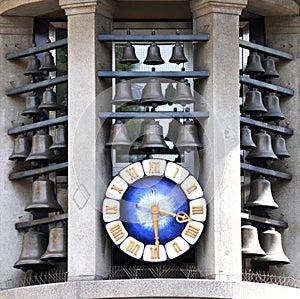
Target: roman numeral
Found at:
118, 189
154, 253
117, 232
192, 188
154, 167
176, 247
192, 231
197, 210
133, 247
132, 172
175, 172
111, 209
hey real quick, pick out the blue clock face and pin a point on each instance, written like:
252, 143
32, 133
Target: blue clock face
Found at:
137, 201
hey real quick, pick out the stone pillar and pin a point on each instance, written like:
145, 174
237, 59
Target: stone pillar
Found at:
219, 252
89, 164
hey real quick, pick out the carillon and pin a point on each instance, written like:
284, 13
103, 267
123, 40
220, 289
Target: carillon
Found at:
254, 66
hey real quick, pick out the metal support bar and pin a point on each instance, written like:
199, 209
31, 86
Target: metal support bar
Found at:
263, 220
152, 115
266, 50
266, 126
38, 171
38, 222
36, 50
38, 125
266, 172
36, 85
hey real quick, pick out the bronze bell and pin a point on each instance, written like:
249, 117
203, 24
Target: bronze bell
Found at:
33, 66
123, 93
250, 242
48, 63
153, 140
153, 55
60, 138
49, 100
260, 196
272, 244
152, 94
21, 148
170, 92
57, 246
34, 244
119, 137
40, 151
178, 54
263, 150
31, 106
279, 147
271, 103
246, 138
188, 137
174, 127
183, 94
43, 197
128, 55
268, 65
254, 66
253, 102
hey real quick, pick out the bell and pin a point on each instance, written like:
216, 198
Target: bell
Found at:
279, 147
123, 93
153, 137
43, 197
49, 100
272, 244
174, 127
268, 65
34, 244
48, 63
21, 148
60, 138
152, 94
183, 94
178, 54
246, 138
260, 196
57, 246
253, 102
31, 106
40, 151
188, 137
33, 66
170, 92
250, 242
119, 137
254, 65
263, 150
153, 55
271, 103
128, 55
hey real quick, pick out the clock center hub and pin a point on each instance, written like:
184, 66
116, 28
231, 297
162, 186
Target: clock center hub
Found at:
154, 209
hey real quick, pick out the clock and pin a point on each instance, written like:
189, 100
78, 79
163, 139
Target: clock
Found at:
154, 210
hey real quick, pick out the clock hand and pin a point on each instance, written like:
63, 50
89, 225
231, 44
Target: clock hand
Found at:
154, 211
181, 216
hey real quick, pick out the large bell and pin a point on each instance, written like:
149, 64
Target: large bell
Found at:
152, 94
31, 106
253, 102
178, 54
246, 138
48, 63
34, 245
57, 246
153, 140
123, 93
43, 197
119, 137
272, 244
271, 103
279, 147
183, 94
260, 196
21, 148
254, 66
188, 138
128, 55
49, 100
250, 242
263, 150
60, 138
268, 65
33, 66
40, 148
153, 55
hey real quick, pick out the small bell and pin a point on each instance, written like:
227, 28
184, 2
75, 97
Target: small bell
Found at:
33, 66
21, 148
178, 54
271, 103
119, 137
250, 242
31, 106
253, 102
123, 93
268, 65
246, 138
170, 93
254, 66
174, 128
48, 63
60, 138
49, 100
129, 56
183, 94
152, 94
279, 147
153, 54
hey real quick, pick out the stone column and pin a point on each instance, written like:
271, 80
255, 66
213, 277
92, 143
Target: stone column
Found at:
89, 163
219, 251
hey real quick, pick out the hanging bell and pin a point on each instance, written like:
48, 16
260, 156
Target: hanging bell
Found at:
153, 140
60, 138
123, 93
57, 246
43, 197
246, 138
49, 100
152, 94
253, 102
250, 242
178, 54
268, 65
254, 66
48, 63
174, 127
263, 150
31, 106
272, 244
170, 93
183, 94
128, 55
34, 244
279, 147
153, 54
119, 137
33, 66
40, 151
271, 103
21, 148
188, 137
260, 196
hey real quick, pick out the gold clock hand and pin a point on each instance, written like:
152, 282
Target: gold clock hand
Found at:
154, 211
181, 216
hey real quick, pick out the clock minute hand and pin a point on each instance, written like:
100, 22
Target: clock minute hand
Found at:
154, 211
181, 216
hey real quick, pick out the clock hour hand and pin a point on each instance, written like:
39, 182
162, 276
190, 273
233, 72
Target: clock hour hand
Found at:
180, 217
154, 211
